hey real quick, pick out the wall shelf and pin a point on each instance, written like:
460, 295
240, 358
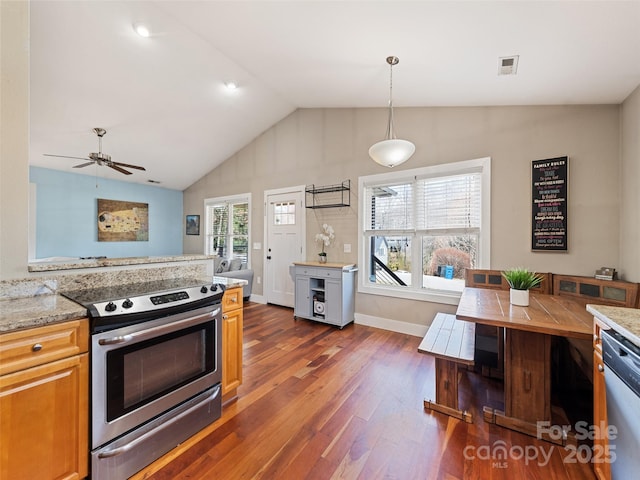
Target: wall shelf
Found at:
328, 196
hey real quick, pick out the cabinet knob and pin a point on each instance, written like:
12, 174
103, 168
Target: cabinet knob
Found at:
37, 347
600, 367
225, 317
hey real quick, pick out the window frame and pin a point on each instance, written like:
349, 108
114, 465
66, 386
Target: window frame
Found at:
415, 291
228, 200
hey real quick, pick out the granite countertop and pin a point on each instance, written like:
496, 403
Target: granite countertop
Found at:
72, 264
344, 266
625, 321
36, 311
229, 282
39, 310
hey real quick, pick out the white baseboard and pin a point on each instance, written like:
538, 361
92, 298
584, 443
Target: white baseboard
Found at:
257, 298
392, 325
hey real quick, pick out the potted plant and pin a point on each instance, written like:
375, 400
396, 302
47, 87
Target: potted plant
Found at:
325, 238
521, 280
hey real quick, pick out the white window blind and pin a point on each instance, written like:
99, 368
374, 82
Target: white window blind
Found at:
227, 228
449, 203
390, 207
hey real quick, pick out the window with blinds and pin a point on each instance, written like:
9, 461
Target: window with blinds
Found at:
424, 227
227, 227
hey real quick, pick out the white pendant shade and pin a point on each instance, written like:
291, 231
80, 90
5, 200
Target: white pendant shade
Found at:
392, 152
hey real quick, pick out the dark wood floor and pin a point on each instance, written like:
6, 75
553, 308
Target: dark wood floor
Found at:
323, 403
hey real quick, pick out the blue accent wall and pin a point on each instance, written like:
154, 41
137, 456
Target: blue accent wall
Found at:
67, 210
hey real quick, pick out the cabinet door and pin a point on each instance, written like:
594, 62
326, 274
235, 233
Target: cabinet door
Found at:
601, 466
303, 299
231, 350
44, 421
333, 301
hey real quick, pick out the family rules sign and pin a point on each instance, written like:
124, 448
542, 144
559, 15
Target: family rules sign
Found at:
549, 204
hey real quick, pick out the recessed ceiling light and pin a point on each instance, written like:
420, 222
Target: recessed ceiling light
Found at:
142, 30
231, 85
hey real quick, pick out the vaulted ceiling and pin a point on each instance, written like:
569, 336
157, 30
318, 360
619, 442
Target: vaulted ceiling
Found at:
163, 101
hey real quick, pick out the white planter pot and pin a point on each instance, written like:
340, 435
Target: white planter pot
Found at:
519, 297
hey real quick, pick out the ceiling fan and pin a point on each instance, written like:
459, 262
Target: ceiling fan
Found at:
101, 158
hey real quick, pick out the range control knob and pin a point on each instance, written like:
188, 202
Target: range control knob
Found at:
127, 303
217, 286
110, 307
204, 289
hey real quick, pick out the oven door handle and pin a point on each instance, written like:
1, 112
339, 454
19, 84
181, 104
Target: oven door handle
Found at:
155, 331
125, 448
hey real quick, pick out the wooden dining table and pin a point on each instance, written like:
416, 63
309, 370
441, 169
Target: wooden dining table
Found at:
528, 333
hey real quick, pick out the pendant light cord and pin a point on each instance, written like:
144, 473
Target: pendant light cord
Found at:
390, 133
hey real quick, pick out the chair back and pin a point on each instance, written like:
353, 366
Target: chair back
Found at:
592, 290
480, 278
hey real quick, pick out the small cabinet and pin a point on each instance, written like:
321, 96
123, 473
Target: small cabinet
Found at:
44, 394
232, 323
325, 293
600, 444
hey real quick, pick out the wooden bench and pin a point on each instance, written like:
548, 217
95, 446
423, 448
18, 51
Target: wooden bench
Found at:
452, 343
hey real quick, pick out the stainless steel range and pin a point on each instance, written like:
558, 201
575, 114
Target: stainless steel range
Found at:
156, 368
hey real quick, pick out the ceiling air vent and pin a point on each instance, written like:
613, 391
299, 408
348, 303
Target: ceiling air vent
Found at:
508, 65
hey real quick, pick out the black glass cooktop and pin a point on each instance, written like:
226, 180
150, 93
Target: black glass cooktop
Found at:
92, 296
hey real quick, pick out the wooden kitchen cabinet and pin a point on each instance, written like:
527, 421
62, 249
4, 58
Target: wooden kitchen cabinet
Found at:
44, 395
601, 468
232, 320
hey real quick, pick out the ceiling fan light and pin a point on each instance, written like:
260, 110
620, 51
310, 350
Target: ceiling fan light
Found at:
391, 152
142, 30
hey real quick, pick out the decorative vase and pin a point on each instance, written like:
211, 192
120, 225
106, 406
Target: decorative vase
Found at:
519, 297
322, 258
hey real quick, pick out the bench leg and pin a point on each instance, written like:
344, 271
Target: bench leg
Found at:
447, 391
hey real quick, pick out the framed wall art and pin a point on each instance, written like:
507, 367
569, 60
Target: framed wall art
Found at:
193, 224
549, 204
120, 221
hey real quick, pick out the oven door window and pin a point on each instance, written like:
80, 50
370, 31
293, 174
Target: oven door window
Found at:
140, 373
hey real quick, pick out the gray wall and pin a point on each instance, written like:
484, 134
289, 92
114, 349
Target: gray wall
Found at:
326, 146
629, 182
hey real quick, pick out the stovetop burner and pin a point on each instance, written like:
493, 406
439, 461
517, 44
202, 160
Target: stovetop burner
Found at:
110, 307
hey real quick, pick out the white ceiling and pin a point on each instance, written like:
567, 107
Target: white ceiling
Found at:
164, 106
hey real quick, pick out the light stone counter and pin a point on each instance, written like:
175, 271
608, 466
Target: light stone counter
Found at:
74, 264
625, 321
19, 313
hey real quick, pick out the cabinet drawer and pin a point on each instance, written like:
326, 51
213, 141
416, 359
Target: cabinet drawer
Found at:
36, 346
329, 273
308, 271
232, 299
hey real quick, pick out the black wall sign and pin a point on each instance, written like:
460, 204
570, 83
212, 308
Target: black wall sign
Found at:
549, 204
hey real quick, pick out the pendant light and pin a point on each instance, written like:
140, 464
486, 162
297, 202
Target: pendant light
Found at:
391, 151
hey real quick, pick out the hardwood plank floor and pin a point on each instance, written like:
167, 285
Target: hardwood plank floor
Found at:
322, 403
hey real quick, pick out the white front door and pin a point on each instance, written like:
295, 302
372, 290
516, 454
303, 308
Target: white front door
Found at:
285, 235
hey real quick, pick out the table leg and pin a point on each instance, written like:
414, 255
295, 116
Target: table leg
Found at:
527, 383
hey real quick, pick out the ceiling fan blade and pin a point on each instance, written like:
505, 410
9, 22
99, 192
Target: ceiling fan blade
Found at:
64, 156
121, 170
129, 166
83, 165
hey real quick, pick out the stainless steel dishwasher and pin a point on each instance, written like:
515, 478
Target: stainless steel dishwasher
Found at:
622, 380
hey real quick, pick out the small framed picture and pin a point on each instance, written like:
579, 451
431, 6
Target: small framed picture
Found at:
193, 224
